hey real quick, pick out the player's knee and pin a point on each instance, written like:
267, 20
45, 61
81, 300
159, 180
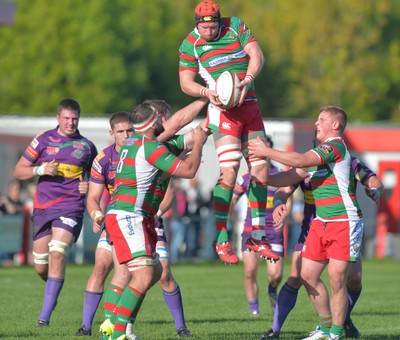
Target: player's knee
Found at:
229, 155
104, 243
141, 263
166, 279
294, 281
354, 282
163, 253
40, 259
60, 247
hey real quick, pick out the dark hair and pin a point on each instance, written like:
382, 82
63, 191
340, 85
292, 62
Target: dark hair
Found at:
142, 112
120, 117
69, 104
160, 105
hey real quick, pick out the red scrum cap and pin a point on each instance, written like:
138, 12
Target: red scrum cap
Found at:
207, 11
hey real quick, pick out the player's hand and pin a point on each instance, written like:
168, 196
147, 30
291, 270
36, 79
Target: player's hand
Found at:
213, 97
374, 194
244, 86
98, 219
97, 225
199, 135
258, 148
83, 186
49, 169
279, 216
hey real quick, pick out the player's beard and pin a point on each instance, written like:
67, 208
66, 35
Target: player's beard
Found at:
159, 130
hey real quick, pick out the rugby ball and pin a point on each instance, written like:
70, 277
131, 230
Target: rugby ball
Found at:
228, 93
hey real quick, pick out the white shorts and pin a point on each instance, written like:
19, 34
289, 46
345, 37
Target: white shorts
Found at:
131, 236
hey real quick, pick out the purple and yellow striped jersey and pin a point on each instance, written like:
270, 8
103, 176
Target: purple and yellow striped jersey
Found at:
73, 157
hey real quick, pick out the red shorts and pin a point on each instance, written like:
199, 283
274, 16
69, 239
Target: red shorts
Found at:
131, 236
237, 122
334, 240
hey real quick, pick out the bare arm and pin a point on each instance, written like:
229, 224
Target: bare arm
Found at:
189, 166
282, 206
256, 64
93, 205
194, 89
181, 118
258, 148
189, 138
374, 188
286, 178
169, 197
24, 169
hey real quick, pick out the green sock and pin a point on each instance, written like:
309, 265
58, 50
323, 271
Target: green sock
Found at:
111, 298
325, 323
222, 202
337, 330
128, 308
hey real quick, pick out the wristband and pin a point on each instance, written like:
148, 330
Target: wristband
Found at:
39, 170
203, 91
159, 213
277, 202
95, 214
249, 77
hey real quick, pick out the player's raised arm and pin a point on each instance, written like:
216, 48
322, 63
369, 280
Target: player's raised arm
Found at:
189, 166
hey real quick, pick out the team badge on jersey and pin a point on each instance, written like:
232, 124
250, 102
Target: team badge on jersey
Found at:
246, 31
325, 149
78, 153
34, 143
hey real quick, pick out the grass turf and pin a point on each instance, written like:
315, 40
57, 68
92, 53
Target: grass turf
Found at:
214, 302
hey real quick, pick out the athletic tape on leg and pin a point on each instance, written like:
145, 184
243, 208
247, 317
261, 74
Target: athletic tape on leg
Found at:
59, 246
40, 258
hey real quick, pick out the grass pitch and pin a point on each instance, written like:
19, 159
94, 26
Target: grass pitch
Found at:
214, 302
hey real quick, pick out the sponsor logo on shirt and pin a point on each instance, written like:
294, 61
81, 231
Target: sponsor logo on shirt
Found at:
207, 47
325, 149
78, 145
34, 143
55, 140
224, 59
318, 173
226, 126
52, 150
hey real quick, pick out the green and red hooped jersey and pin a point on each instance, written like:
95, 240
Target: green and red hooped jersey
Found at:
225, 52
333, 184
140, 166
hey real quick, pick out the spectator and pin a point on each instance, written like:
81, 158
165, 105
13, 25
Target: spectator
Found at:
179, 221
194, 204
11, 203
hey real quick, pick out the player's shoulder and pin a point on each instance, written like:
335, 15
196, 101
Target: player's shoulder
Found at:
107, 152
232, 22
190, 39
